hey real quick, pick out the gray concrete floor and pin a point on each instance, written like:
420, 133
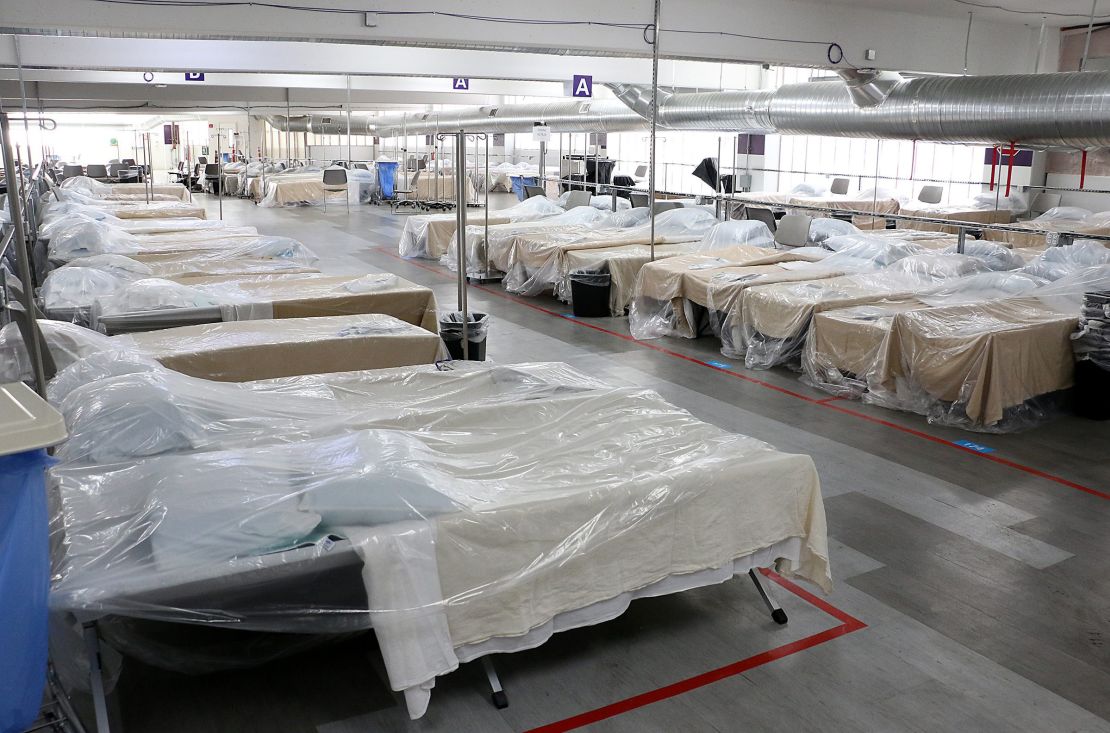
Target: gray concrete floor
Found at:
981, 582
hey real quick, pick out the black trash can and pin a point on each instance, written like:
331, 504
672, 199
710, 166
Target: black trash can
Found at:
451, 331
589, 294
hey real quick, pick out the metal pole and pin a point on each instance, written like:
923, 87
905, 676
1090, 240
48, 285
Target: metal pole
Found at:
1040, 48
486, 247
220, 173
288, 127
146, 165
1087, 43
460, 236
22, 259
348, 120
654, 109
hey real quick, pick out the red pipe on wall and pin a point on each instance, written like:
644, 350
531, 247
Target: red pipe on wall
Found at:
1010, 168
1083, 169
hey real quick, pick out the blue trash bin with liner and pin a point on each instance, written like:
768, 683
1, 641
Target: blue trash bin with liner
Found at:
27, 426
387, 173
519, 182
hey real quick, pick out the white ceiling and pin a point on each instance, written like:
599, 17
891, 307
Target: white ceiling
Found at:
1056, 13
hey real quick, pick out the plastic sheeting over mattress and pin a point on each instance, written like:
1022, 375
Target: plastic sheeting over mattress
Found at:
435, 507
125, 191
430, 235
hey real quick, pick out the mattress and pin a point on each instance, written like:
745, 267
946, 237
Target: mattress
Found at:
469, 531
1033, 233
663, 288
852, 203
194, 300
951, 213
242, 351
986, 358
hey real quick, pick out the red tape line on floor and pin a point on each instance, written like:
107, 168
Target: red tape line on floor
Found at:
847, 625
829, 403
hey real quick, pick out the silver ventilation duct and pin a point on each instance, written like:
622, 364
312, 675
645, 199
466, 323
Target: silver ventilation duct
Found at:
1036, 110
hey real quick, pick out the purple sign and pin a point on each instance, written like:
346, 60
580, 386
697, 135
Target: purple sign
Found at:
461, 84
194, 76
582, 86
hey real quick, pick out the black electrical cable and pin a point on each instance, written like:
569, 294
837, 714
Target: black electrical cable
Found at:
644, 29
991, 6
839, 53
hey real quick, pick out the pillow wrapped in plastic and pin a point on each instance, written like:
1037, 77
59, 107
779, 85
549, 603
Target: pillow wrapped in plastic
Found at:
685, 222
994, 256
153, 294
1016, 201
983, 286
1058, 262
85, 238
856, 251
67, 343
810, 189
78, 287
121, 266
825, 228
731, 233
1071, 213
937, 266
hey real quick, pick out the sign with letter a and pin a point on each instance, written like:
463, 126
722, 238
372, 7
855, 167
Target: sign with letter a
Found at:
462, 85
582, 86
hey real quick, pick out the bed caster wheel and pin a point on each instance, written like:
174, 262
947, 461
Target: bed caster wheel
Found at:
500, 699
779, 616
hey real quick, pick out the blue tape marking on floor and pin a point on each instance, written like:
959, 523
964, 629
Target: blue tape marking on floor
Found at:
974, 446
719, 364
569, 315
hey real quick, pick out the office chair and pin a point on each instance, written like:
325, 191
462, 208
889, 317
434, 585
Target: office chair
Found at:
129, 162
641, 172
335, 179
396, 202
839, 186
793, 230
361, 167
212, 175
114, 169
758, 213
1042, 202
577, 198
639, 200
72, 171
530, 191
931, 194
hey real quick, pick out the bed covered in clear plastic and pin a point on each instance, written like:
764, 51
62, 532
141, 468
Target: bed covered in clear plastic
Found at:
1036, 232
434, 507
537, 262
431, 235
501, 234
305, 187
126, 191
97, 238
153, 303
766, 326
137, 209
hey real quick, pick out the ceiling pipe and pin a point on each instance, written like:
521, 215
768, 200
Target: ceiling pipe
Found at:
1035, 110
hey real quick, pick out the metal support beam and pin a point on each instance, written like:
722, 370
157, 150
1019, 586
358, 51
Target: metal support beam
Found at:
96, 677
654, 115
777, 613
23, 258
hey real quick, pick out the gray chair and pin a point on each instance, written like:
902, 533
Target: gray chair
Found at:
758, 213
641, 172
661, 206
361, 167
530, 191
793, 230
839, 186
1042, 202
398, 202
931, 194
577, 198
335, 179
72, 171
114, 169
212, 176
639, 200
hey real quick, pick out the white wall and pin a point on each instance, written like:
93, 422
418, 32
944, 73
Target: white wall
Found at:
902, 40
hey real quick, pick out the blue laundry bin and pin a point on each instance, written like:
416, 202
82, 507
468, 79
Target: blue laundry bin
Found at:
387, 172
24, 584
519, 182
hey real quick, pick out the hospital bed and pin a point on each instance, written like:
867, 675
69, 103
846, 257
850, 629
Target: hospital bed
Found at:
965, 213
241, 350
151, 304
305, 187
980, 353
126, 191
768, 323
1036, 232
430, 235
537, 262
432, 507
140, 210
